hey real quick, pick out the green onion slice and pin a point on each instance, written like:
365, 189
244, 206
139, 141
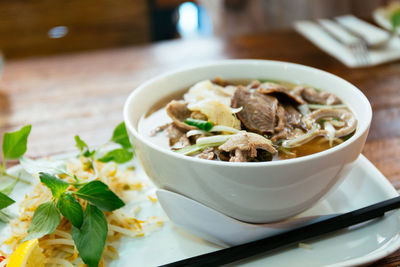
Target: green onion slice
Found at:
202, 125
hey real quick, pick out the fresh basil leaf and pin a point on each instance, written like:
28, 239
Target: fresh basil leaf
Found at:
88, 153
45, 221
8, 188
56, 185
90, 239
71, 209
98, 194
43, 165
14, 143
5, 201
119, 155
80, 144
120, 136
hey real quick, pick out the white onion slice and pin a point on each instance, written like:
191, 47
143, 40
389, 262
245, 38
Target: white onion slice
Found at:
331, 132
236, 110
196, 132
223, 128
213, 139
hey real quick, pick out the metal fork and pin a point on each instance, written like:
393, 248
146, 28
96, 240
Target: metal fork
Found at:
358, 47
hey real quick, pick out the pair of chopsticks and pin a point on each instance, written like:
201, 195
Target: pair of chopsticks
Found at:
232, 254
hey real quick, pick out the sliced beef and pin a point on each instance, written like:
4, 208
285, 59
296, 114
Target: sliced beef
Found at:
245, 144
177, 137
207, 153
293, 116
259, 110
282, 93
281, 118
159, 129
310, 95
179, 112
239, 155
280, 135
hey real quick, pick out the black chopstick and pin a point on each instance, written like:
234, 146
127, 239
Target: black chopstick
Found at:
232, 254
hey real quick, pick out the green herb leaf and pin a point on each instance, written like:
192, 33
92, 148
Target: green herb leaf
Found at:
90, 239
8, 188
80, 144
202, 125
395, 20
88, 153
119, 155
71, 209
43, 165
120, 136
45, 221
56, 185
14, 143
5, 201
98, 194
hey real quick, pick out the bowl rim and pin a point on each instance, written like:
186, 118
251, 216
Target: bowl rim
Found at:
130, 127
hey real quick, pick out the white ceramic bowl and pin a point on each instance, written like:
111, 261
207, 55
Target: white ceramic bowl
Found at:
253, 192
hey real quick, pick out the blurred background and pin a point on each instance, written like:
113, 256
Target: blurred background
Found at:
42, 27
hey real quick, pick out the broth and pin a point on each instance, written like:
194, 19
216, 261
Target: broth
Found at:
156, 126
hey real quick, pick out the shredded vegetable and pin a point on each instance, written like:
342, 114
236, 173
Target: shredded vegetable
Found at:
59, 247
196, 148
213, 139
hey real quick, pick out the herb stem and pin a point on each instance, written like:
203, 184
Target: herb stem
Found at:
15, 177
3, 167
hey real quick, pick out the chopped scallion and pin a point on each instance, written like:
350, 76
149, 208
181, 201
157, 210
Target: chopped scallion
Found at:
202, 125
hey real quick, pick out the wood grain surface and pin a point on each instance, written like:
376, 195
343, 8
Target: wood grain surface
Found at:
89, 24
84, 93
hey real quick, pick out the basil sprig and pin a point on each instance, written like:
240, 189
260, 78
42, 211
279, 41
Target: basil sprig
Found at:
14, 146
89, 227
119, 155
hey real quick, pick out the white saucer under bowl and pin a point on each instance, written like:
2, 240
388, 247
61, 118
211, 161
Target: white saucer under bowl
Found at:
362, 244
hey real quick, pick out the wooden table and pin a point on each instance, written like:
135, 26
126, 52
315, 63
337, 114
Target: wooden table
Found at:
84, 93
